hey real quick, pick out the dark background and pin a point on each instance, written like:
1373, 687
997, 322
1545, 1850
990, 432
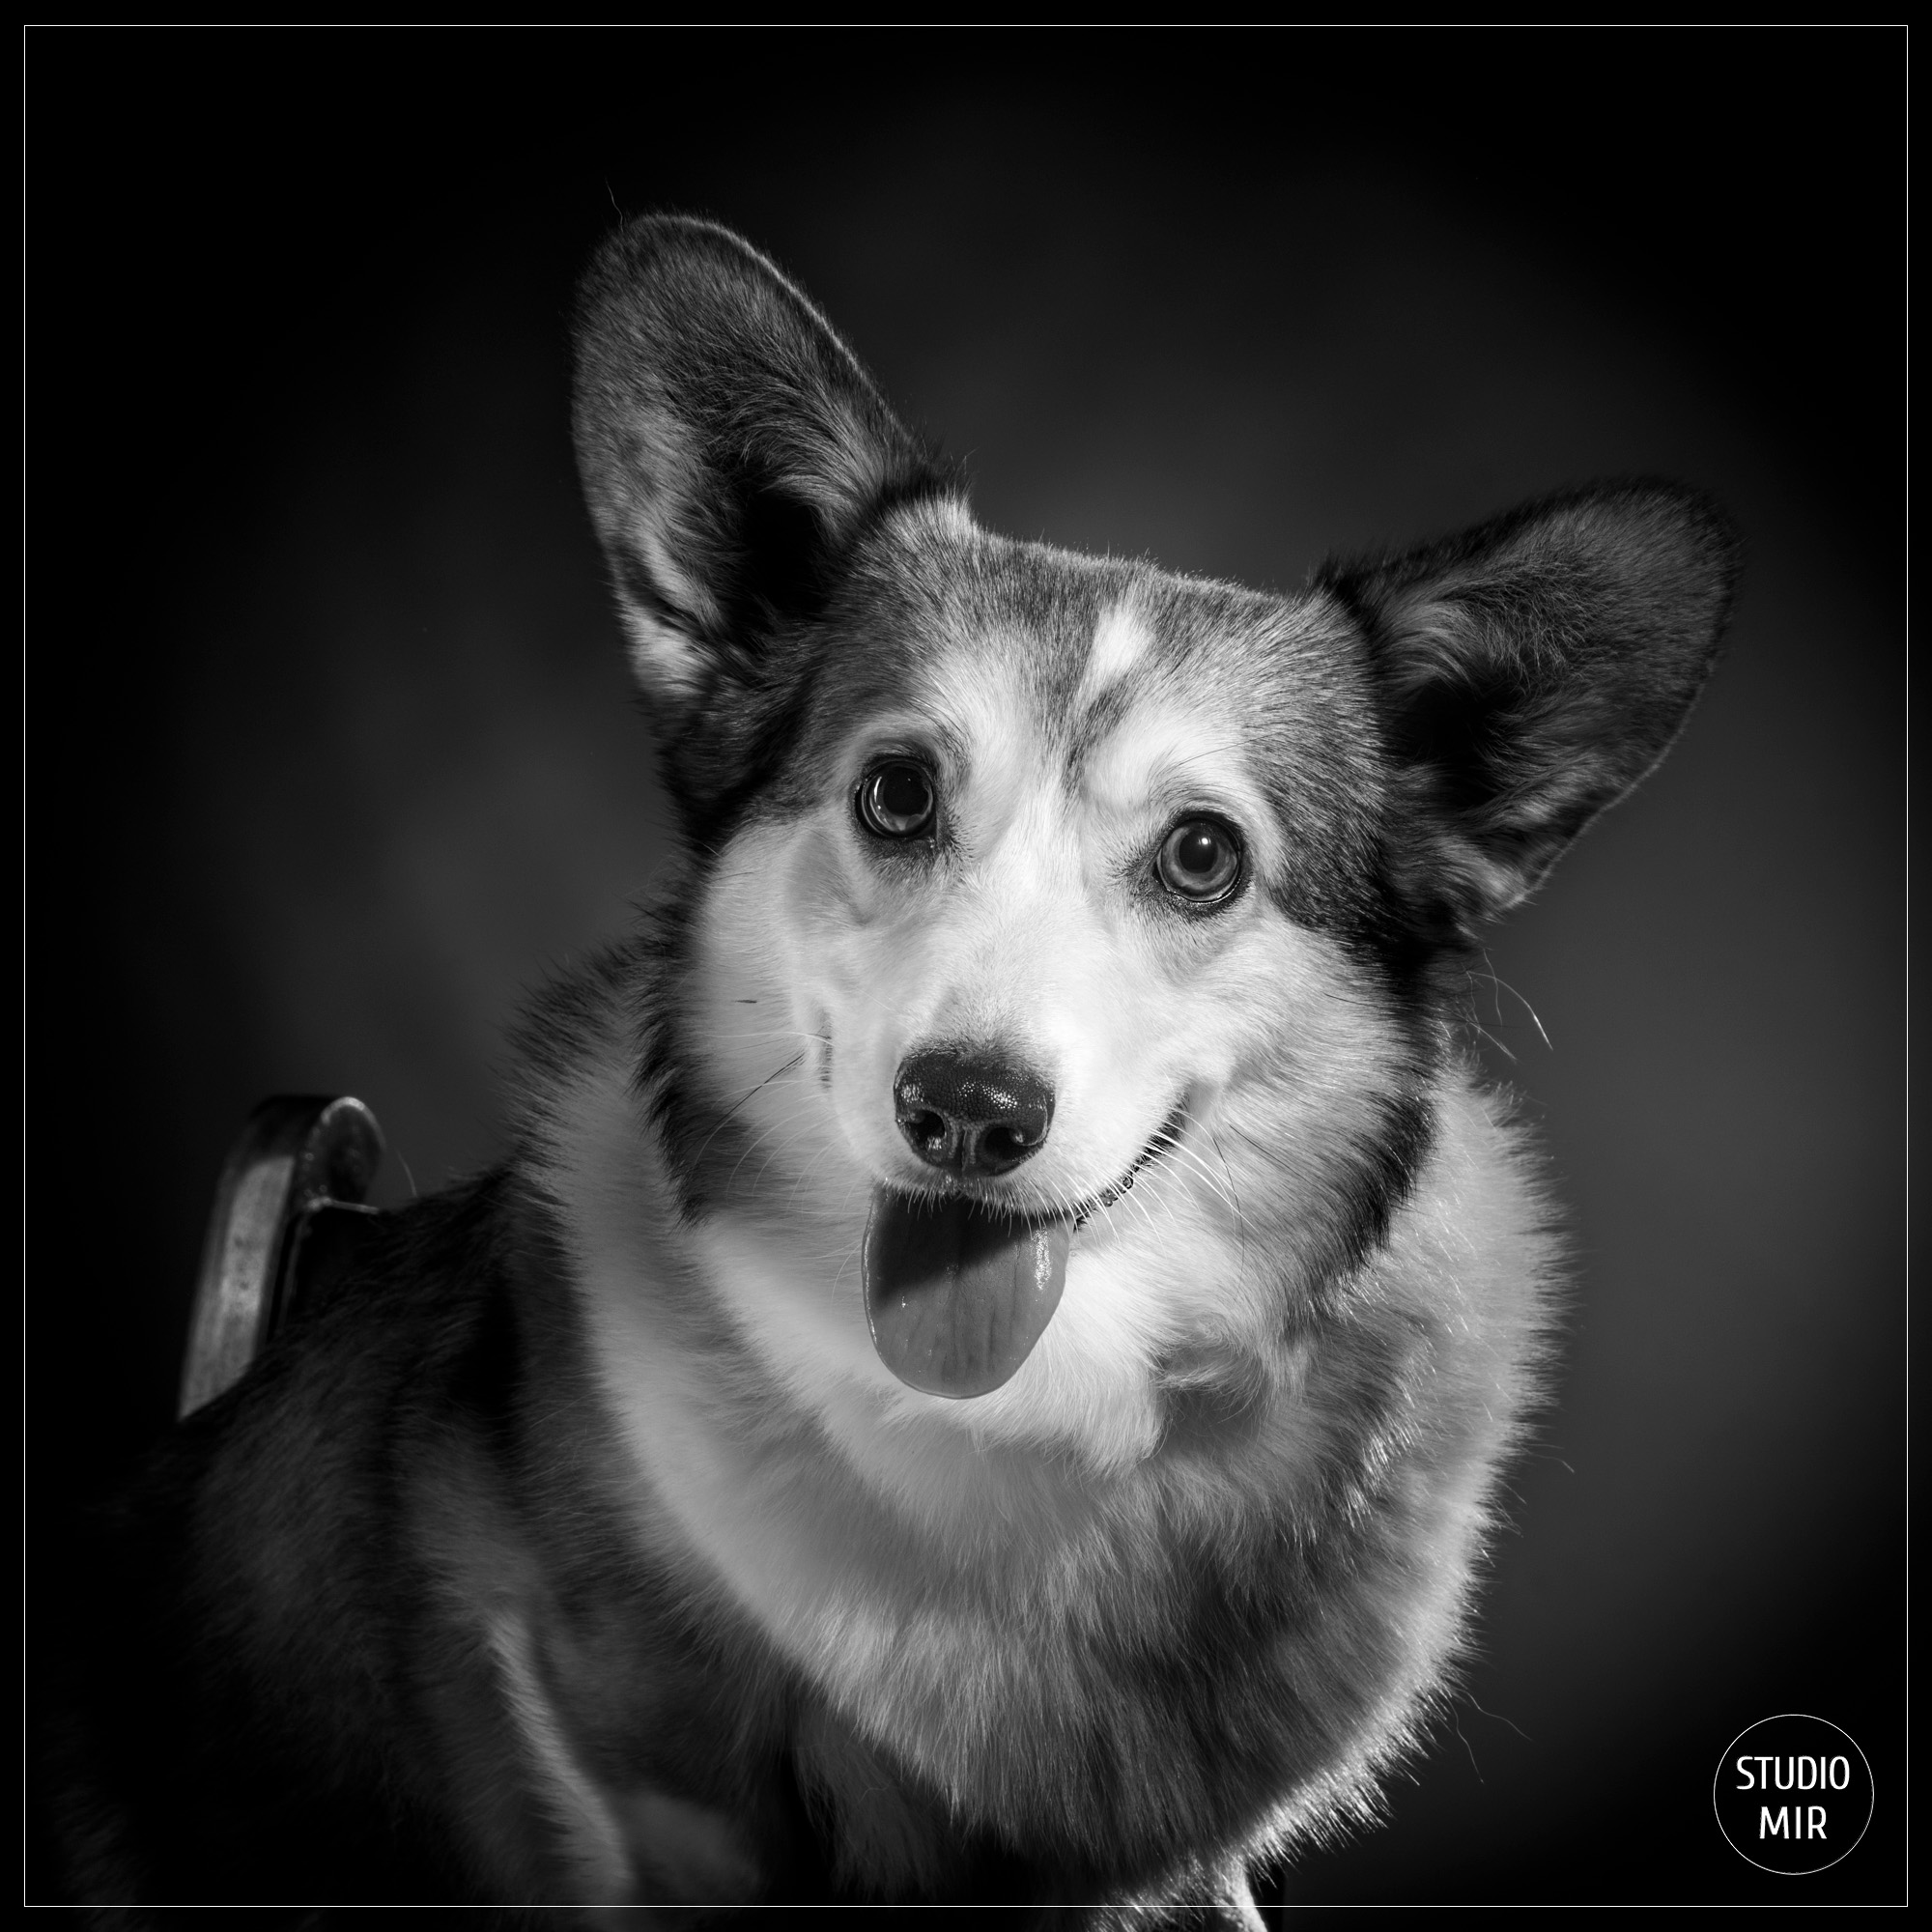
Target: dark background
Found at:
330, 755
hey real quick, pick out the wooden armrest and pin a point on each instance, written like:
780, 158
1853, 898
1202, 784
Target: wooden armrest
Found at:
301, 1165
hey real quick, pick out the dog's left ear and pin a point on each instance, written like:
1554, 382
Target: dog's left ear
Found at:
730, 448
1528, 673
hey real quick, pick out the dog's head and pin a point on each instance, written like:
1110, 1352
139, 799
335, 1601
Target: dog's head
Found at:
1065, 955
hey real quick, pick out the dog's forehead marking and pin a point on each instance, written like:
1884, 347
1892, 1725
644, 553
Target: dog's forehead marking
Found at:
1120, 639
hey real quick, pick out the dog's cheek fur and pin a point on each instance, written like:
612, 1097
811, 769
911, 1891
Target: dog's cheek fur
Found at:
1327, 1118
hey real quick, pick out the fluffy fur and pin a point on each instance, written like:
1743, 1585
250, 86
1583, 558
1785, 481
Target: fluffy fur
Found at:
583, 1548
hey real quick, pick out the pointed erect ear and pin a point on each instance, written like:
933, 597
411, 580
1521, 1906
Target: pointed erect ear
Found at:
1528, 673
730, 448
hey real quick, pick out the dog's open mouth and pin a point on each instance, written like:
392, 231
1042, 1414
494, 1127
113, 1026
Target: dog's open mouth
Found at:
958, 1291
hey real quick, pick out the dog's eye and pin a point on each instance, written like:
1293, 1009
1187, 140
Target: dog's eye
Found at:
896, 801
1200, 860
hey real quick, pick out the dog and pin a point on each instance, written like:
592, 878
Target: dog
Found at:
985, 1372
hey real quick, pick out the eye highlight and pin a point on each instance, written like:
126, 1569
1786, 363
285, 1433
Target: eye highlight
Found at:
897, 800
1200, 860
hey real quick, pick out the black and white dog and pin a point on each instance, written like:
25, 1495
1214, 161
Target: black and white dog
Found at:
985, 1374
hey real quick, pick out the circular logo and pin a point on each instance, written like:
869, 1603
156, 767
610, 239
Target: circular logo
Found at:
1792, 1794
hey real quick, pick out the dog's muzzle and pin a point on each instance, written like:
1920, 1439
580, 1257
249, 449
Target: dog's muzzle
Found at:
958, 1287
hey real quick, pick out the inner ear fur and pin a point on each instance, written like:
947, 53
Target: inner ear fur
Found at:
730, 447
1528, 673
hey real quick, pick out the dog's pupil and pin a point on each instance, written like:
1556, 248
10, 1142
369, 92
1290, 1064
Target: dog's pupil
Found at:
1200, 851
903, 796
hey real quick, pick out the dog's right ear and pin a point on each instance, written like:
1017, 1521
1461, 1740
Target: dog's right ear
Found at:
730, 448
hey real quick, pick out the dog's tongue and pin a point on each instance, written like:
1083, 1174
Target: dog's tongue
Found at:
958, 1295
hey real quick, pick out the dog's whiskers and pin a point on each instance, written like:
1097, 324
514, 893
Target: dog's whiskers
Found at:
1500, 986
730, 1112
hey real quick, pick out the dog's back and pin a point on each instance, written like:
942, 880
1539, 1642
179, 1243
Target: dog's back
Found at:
245, 1644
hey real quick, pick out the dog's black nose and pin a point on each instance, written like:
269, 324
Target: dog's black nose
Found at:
970, 1111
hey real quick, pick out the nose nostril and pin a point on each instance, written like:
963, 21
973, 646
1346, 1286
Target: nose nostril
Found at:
978, 1115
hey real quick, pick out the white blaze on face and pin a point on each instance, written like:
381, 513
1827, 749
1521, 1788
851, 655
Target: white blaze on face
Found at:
1119, 641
